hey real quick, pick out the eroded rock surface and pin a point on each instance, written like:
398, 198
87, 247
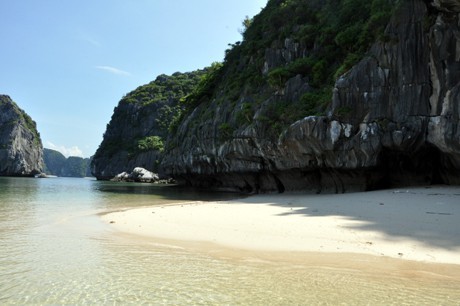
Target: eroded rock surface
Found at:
394, 120
21, 150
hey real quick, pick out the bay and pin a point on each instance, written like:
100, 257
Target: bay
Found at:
55, 250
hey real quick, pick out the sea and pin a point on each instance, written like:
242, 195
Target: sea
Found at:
56, 250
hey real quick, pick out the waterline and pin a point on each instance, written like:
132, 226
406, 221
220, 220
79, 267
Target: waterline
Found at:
56, 250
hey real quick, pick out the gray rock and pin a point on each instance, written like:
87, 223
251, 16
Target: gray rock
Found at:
402, 127
137, 175
146, 111
403, 130
21, 150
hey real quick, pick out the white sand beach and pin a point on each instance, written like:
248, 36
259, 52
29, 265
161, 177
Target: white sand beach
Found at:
420, 224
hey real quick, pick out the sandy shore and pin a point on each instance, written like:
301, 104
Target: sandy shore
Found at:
419, 224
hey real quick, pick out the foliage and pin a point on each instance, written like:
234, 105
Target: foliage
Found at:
282, 113
164, 88
76, 167
32, 127
245, 114
54, 161
338, 34
160, 100
315, 102
21, 117
333, 36
110, 146
344, 111
205, 87
150, 143
246, 23
58, 164
225, 131
166, 115
203, 91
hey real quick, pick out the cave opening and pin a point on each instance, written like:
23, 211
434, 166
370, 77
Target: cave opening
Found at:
402, 168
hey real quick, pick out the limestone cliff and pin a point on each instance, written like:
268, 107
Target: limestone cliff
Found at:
139, 126
21, 151
57, 164
320, 96
393, 118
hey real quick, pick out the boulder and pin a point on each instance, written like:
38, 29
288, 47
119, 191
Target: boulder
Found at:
137, 175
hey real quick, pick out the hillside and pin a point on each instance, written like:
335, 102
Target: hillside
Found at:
326, 96
57, 164
136, 134
21, 151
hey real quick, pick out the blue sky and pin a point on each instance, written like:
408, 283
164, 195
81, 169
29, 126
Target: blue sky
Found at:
67, 63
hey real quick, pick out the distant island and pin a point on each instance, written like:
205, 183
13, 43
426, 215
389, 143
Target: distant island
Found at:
57, 164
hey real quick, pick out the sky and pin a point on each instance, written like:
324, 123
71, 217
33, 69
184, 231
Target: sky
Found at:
67, 63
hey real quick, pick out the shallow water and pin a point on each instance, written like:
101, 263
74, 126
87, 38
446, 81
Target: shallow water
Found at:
54, 249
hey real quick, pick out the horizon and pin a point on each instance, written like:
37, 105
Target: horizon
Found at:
67, 65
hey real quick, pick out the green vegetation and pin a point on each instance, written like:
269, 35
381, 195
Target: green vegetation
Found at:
54, 161
164, 88
344, 111
110, 146
225, 131
58, 164
166, 115
22, 118
76, 167
32, 127
144, 117
245, 114
334, 35
313, 103
330, 36
205, 87
202, 92
150, 143
338, 35
246, 24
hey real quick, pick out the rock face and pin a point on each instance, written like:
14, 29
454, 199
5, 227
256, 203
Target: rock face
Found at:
393, 120
139, 125
57, 164
270, 121
21, 151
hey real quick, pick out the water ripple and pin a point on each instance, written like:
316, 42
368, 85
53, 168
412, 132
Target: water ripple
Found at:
53, 252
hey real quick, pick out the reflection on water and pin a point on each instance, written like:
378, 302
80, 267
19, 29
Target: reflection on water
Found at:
55, 250
138, 194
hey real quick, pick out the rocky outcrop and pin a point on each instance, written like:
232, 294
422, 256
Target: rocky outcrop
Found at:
138, 174
139, 125
404, 101
393, 120
21, 151
269, 120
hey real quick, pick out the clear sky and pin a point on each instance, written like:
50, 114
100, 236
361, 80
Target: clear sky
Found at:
67, 63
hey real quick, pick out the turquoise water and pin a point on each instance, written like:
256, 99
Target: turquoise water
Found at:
55, 250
